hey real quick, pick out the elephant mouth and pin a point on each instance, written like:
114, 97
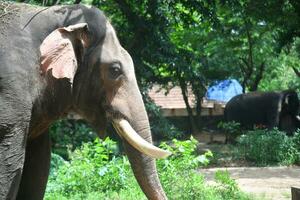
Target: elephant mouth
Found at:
125, 130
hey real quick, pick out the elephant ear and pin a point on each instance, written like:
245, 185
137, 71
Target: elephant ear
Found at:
289, 98
61, 49
291, 102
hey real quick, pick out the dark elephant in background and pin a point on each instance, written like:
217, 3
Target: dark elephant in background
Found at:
266, 109
60, 59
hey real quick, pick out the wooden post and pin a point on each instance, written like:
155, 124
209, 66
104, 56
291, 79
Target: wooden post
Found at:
295, 193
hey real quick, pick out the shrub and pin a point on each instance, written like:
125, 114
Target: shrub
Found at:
95, 172
226, 186
56, 162
232, 130
183, 156
93, 167
296, 141
265, 147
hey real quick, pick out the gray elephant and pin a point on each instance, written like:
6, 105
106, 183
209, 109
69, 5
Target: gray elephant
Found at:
60, 59
266, 109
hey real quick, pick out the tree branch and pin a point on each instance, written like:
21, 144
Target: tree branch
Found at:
250, 43
258, 77
297, 72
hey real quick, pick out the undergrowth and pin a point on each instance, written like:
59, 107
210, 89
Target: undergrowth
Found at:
95, 171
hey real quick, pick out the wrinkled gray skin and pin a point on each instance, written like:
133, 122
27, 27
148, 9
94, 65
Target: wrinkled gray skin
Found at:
30, 100
268, 109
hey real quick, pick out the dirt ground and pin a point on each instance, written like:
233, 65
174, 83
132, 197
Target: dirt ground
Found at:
270, 183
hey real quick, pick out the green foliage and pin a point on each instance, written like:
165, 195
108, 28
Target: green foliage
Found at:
56, 162
232, 129
283, 64
269, 147
177, 173
296, 141
68, 134
94, 163
227, 187
198, 42
95, 172
183, 156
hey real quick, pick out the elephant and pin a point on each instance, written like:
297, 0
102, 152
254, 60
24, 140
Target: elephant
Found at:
265, 109
56, 60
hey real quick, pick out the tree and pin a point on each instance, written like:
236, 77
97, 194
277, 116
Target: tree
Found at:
284, 19
250, 39
195, 43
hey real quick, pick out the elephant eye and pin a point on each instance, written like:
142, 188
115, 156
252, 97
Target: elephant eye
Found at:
115, 70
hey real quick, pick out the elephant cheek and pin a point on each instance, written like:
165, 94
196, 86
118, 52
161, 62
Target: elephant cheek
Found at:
119, 105
99, 122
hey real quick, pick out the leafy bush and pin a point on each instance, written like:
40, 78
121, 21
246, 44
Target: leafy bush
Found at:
93, 167
232, 130
95, 172
183, 156
296, 141
266, 147
177, 172
56, 162
180, 179
230, 127
227, 186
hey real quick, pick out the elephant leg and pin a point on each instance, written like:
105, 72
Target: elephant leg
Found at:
12, 155
36, 168
273, 119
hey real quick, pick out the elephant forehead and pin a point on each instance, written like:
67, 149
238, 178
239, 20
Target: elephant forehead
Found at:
112, 51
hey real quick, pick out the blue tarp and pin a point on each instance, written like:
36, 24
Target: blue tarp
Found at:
224, 90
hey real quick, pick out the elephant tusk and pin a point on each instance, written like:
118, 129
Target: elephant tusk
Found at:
126, 131
298, 117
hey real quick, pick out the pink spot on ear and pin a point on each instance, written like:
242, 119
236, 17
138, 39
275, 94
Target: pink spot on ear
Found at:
57, 53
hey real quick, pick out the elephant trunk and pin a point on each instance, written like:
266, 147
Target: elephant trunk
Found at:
135, 132
143, 166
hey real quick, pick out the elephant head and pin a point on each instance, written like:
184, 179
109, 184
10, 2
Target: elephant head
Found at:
290, 103
84, 58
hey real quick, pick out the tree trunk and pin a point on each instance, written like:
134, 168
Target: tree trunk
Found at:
183, 88
258, 77
199, 92
297, 72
